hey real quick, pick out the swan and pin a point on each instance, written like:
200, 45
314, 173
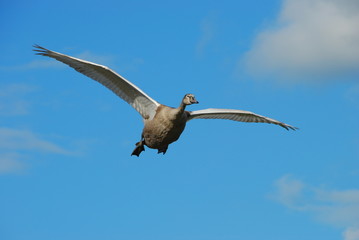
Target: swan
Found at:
163, 125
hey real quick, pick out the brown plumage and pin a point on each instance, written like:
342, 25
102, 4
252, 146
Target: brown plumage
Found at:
166, 126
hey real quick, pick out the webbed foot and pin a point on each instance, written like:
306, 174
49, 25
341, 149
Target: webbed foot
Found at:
162, 150
139, 148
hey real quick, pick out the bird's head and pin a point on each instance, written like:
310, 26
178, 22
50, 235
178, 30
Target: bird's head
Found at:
189, 99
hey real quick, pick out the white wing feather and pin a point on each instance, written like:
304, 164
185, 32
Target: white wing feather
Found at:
235, 115
123, 88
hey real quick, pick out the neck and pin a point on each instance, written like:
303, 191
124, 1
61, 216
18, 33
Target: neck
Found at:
182, 106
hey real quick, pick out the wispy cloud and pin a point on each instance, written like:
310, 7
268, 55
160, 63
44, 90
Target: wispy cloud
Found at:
289, 191
10, 162
16, 143
15, 139
311, 39
339, 208
13, 99
35, 64
207, 31
96, 58
351, 234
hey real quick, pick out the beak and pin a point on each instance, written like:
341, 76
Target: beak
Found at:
195, 102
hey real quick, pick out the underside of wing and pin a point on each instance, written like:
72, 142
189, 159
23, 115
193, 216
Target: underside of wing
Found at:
123, 88
235, 115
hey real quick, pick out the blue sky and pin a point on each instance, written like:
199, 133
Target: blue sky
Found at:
65, 141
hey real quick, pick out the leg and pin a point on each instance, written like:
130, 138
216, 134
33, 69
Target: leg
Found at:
163, 150
139, 148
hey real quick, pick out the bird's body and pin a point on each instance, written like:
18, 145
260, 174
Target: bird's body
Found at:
163, 125
165, 128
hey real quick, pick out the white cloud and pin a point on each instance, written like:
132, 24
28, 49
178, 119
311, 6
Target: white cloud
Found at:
35, 64
100, 59
351, 234
12, 99
339, 208
207, 29
14, 139
310, 38
289, 191
10, 163
16, 144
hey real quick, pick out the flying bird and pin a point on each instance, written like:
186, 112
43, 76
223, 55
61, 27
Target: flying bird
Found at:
163, 125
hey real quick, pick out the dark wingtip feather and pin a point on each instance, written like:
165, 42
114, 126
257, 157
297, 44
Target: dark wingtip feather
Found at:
292, 128
40, 50
288, 127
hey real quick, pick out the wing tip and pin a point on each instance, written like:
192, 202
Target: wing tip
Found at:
40, 50
289, 127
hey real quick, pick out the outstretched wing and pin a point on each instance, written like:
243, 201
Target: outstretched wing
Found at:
235, 115
123, 88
